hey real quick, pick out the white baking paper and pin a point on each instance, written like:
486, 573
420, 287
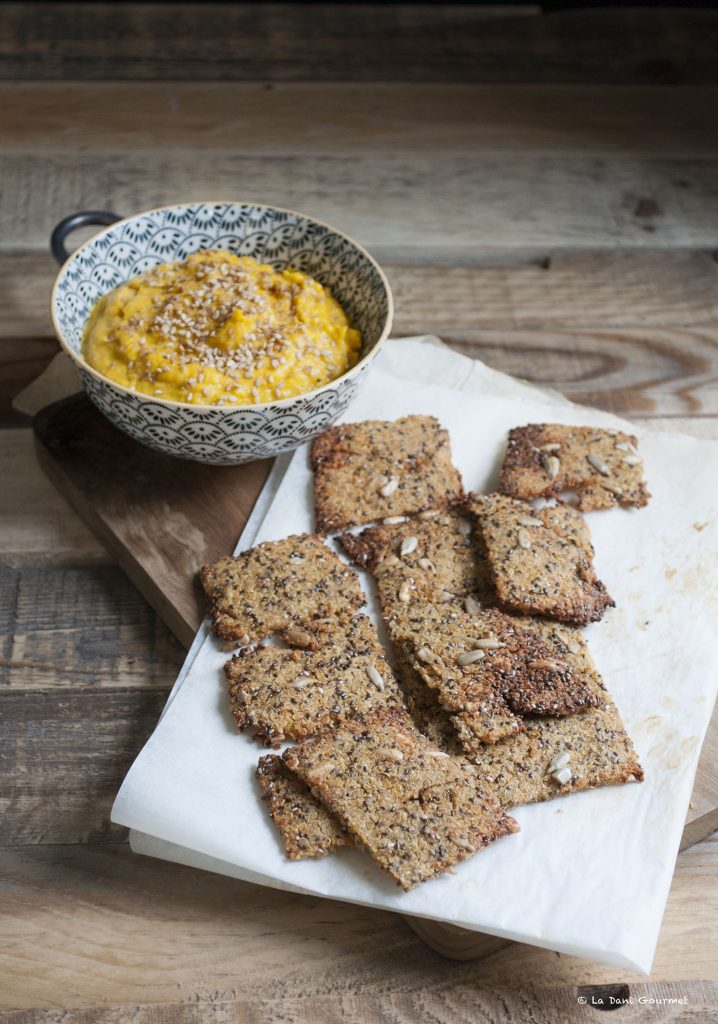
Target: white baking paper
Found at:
589, 873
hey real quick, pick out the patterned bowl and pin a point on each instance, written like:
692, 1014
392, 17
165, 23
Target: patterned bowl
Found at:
209, 433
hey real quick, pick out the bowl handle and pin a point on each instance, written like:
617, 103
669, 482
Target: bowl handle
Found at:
77, 220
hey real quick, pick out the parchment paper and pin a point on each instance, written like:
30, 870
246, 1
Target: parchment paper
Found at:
589, 873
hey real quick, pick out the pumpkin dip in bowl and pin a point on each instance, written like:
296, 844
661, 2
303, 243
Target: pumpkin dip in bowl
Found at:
220, 329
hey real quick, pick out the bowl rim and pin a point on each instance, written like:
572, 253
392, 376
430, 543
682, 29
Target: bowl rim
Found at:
80, 361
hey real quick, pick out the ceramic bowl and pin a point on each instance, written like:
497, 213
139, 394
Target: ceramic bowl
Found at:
208, 433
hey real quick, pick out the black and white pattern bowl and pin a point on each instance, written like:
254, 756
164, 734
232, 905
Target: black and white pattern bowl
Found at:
209, 433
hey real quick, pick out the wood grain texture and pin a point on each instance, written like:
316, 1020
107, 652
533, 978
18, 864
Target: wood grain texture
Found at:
21, 360
444, 206
398, 42
679, 1002
81, 629
173, 518
595, 290
628, 371
97, 927
37, 525
65, 755
356, 119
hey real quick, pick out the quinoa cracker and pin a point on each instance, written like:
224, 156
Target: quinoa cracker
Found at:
367, 471
603, 467
411, 806
291, 694
540, 559
307, 828
278, 585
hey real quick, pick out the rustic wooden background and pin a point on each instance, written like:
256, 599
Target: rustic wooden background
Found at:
543, 191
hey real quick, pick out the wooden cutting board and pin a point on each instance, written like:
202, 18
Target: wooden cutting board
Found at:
162, 518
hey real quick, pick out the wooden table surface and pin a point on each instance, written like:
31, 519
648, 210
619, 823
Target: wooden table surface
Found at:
543, 192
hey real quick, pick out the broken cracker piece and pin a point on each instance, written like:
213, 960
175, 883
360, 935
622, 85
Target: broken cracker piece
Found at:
279, 585
307, 828
603, 467
426, 712
416, 810
367, 471
540, 559
550, 757
488, 669
432, 559
291, 694
556, 756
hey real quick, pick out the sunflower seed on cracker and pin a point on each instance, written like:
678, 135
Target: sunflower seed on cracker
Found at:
588, 455
416, 839
412, 454
298, 693
408, 545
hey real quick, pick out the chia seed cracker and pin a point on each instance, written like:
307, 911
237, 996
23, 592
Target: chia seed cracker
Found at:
377, 469
518, 770
521, 767
445, 560
517, 674
277, 585
292, 694
426, 712
602, 466
416, 811
307, 828
554, 577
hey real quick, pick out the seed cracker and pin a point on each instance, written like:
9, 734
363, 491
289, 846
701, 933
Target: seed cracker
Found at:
291, 694
416, 810
517, 770
426, 712
540, 559
488, 669
307, 828
278, 585
603, 467
434, 558
374, 469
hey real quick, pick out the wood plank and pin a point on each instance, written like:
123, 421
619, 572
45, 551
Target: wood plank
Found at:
81, 629
402, 206
22, 361
37, 524
176, 516
464, 1005
98, 927
350, 41
629, 371
25, 284
592, 290
697, 426
356, 118
574, 291
65, 754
